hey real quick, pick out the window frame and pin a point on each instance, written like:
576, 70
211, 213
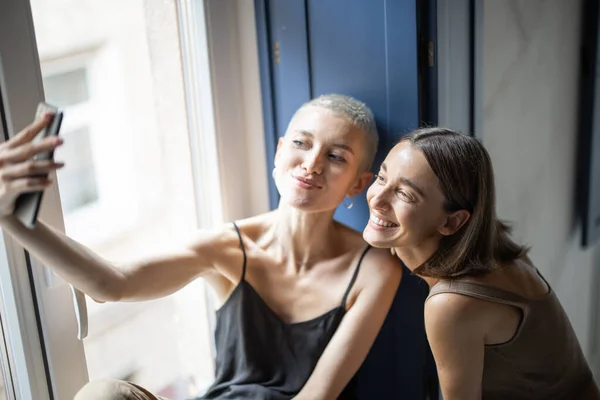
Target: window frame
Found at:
49, 360
40, 320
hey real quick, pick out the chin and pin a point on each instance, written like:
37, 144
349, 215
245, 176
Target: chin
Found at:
306, 204
377, 240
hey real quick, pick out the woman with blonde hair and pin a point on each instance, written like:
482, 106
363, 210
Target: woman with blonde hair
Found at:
302, 296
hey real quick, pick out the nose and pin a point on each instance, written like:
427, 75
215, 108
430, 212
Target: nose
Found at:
312, 163
379, 199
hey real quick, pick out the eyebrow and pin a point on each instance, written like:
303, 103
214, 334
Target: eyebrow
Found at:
407, 182
338, 145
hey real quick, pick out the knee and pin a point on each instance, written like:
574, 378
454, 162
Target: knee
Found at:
105, 389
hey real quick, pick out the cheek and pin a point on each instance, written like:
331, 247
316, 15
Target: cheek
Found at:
419, 221
372, 191
286, 157
406, 214
341, 174
413, 217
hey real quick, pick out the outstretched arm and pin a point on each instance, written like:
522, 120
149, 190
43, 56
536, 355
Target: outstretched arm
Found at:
100, 279
104, 281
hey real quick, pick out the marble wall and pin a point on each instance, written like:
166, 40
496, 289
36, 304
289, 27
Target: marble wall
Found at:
530, 114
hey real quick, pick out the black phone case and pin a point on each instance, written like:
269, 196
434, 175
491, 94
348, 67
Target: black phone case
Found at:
27, 205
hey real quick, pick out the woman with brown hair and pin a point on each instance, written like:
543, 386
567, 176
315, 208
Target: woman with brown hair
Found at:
495, 326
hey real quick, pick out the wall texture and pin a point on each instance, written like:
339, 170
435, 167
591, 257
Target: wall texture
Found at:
530, 114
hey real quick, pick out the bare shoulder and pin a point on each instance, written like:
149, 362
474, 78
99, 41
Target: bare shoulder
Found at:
221, 248
380, 263
453, 311
225, 238
214, 242
221, 245
379, 276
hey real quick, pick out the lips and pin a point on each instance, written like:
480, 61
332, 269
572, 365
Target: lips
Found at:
307, 182
382, 222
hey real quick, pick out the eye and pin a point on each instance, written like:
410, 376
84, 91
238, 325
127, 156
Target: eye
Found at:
336, 157
379, 178
298, 143
405, 196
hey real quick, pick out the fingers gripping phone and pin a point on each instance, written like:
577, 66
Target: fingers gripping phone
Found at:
27, 205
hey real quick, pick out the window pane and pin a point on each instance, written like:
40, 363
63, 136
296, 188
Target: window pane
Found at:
67, 88
78, 186
127, 189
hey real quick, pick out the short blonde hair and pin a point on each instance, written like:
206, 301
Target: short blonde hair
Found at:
358, 114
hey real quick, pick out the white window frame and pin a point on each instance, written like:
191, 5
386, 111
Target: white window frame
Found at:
224, 104
40, 333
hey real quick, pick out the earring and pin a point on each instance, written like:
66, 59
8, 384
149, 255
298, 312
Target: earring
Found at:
350, 205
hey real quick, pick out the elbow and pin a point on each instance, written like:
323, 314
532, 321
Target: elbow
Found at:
108, 290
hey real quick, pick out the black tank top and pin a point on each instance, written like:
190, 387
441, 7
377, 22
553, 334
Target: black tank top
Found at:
261, 357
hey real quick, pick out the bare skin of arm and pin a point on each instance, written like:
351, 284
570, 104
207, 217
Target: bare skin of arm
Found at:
215, 256
142, 279
379, 278
457, 339
103, 281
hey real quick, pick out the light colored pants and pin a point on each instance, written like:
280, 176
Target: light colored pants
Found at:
112, 389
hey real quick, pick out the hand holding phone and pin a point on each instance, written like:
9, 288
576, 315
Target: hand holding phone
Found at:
27, 205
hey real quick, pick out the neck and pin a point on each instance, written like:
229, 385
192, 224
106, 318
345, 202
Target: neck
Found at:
414, 257
303, 238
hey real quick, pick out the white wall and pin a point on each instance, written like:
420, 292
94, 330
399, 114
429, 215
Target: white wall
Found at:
530, 114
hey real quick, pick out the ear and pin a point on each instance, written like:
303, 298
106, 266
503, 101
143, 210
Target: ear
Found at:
279, 144
454, 222
361, 184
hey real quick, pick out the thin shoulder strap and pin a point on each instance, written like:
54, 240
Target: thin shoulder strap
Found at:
243, 249
543, 278
354, 276
479, 291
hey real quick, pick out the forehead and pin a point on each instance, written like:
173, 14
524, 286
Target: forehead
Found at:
324, 125
405, 161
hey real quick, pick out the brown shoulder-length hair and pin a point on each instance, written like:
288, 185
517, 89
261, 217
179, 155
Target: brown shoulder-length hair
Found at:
466, 178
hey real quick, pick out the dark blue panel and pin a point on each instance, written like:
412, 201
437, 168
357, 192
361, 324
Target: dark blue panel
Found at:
290, 71
366, 49
264, 57
403, 83
369, 52
397, 365
285, 79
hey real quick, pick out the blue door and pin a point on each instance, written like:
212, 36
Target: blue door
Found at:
366, 49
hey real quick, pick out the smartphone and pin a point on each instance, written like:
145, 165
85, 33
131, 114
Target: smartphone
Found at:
27, 205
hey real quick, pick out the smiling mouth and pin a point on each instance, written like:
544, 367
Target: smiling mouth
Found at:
382, 223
